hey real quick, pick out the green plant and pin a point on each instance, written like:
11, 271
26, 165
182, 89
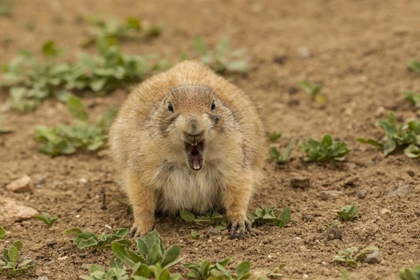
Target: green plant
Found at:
414, 65
6, 7
314, 90
46, 218
115, 272
282, 158
351, 256
333, 224
81, 136
412, 97
268, 215
30, 82
4, 130
214, 218
195, 235
114, 30
324, 150
2, 233
345, 275
150, 254
222, 60
274, 136
204, 270
10, 263
409, 273
87, 239
398, 135
348, 212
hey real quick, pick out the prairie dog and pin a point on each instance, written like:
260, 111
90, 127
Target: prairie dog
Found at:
188, 139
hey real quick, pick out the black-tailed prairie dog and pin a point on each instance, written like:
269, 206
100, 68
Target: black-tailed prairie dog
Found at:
188, 139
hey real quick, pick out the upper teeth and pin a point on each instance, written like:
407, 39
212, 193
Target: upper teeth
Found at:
194, 143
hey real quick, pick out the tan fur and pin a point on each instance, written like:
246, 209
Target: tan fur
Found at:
148, 147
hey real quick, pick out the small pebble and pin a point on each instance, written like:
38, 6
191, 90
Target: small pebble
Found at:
385, 211
51, 242
374, 257
411, 173
301, 183
361, 194
23, 184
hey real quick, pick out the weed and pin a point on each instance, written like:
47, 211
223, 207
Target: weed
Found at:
6, 8
10, 263
414, 65
274, 136
409, 273
314, 90
150, 254
398, 135
345, 275
2, 233
351, 256
214, 218
4, 130
222, 60
268, 215
46, 218
195, 235
325, 150
282, 158
30, 82
204, 270
333, 224
115, 272
87, 239
82, 135
413, 98
348, 212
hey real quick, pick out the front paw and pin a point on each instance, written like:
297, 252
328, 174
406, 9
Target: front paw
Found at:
238, 227
142, 227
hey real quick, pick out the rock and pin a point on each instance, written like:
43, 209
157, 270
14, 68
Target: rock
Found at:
23, 184
301, 183
42, 278
304, 52
325, 195
51, 242
12, 210
334, 233
374, 257
308, 217
385, 211
361, 194
411, 173
400, 190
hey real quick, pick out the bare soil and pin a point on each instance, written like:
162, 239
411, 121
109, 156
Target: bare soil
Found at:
358, 49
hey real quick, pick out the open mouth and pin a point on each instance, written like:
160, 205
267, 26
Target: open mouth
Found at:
195, 154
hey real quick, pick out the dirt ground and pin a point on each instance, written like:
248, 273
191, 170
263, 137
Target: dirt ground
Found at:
358, 49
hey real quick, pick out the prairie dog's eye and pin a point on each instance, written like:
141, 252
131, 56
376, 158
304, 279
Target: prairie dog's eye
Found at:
213, 105
170, 108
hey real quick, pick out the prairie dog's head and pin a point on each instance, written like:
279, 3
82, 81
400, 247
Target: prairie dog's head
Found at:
191, 117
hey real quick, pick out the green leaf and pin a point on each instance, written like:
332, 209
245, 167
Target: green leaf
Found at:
77, 108
200, 46
171, 256
48, 49
17, 244
243, 270
414, 65
2, 233
285, 215
120, 252
187, 215
13, 255
370, 142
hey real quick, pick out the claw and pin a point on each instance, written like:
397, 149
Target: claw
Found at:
238, 228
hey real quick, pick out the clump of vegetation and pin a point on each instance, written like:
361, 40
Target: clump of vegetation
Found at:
150, 254
413, 98
30, 82
351, 256
223, 59
214, 218
409, 273
115, 272
204, 270
114, 30
4, 130
333, 224
397, 135
324, 150
348, 212
87, 239
10, 262
47, 219
269, 215
314, 90
6, 8
279, 158
81, 136
414, 65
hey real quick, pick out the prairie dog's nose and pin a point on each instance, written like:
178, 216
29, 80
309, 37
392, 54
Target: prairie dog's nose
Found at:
194, 138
